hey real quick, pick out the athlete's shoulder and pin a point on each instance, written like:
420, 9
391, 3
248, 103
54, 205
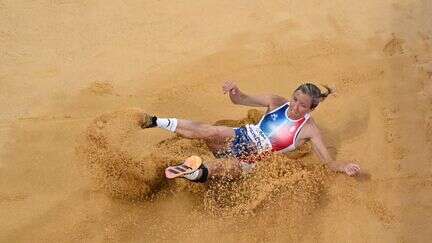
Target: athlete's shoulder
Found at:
277, 101
310, 128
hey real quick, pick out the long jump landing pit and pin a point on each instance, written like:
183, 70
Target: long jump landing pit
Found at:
70, 71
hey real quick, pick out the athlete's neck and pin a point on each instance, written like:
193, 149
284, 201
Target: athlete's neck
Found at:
294, 118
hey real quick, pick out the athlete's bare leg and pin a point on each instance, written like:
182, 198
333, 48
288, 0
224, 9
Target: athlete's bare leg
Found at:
216, 137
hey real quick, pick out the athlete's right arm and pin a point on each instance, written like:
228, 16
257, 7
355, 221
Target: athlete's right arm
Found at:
240, 98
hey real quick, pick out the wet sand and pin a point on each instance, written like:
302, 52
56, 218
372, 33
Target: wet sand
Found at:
65, 64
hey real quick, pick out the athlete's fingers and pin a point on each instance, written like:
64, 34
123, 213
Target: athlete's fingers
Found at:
225, 89
233, 91
228, 85
347, 170
225, 84
356, 168
351, 170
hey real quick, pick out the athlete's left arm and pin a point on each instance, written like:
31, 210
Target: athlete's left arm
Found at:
313, 133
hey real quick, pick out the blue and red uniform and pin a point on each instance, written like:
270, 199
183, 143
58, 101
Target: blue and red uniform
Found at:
275, 132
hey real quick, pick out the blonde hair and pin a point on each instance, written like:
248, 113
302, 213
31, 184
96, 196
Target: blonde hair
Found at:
315, 93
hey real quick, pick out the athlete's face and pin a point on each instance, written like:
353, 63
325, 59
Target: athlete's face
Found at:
299, 105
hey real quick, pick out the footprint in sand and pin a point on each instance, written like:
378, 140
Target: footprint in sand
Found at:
399, 152
12, 197
100, 88
394, 46
425, 67
390, 114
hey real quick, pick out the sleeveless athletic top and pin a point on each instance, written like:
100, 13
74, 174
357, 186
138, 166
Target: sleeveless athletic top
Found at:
276, 131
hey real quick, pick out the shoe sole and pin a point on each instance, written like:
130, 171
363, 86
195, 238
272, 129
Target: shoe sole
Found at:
190, 165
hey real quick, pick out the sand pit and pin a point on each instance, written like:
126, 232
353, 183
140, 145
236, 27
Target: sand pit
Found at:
110, 154
71, 69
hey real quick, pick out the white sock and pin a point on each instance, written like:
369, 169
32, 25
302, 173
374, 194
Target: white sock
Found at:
169, 124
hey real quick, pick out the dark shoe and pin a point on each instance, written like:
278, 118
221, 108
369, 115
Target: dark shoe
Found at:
148, 121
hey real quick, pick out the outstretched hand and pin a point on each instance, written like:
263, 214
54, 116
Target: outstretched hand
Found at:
231, 88
351, 169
